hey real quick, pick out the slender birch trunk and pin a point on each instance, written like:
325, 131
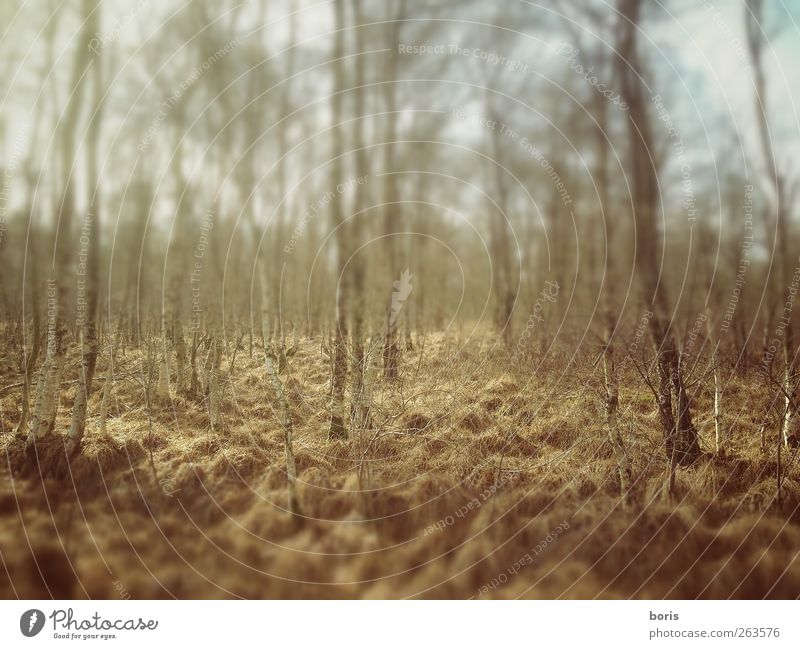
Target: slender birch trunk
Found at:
108, 384
49, 379
214, 380
715, 362
29, 359
285, 418
393, 215
162, 389
92, 230
337, 428
48, 387
778, 202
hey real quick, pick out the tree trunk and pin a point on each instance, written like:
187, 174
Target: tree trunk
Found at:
92, 229
392, 214
162, 391
337, 428
778, 202
680, 436
285, 418
718, 447
612, 423
181, 360
107, 387
48, 387
194, 383
29, 359
214, 388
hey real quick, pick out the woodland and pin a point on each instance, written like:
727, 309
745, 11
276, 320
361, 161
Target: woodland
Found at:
400, 299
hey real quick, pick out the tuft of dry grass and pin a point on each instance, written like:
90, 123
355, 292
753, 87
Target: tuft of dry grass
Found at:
470, 468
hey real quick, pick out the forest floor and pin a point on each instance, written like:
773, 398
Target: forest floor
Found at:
481, 480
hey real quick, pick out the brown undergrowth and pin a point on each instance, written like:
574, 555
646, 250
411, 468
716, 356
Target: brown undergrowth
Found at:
471, 466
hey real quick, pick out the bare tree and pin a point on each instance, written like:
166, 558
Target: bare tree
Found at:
776, 214
392, 215
49, 382
680, 436
337, 428
91, 230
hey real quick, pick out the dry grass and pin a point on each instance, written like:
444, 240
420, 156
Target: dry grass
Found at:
473, 467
